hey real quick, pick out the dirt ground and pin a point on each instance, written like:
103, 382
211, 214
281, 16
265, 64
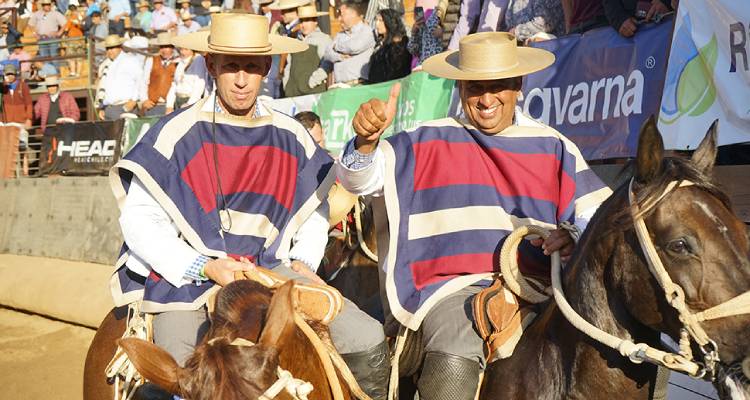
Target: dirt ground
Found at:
41, 358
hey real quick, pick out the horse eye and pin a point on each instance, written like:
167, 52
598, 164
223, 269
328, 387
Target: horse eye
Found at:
679, 246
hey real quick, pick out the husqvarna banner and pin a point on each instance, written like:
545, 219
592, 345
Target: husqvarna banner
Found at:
601, 87
708, 75
84, 148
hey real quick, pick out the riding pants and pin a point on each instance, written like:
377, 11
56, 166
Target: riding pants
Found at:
352, 331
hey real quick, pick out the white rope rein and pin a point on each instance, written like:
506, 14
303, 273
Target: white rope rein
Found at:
635, 352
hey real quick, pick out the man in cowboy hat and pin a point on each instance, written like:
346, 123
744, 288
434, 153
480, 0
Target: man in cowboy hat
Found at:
123, 83
143, 18
290, 20
160, 72
454, 189
47, 24
163, 18
188, 25
55, 105
301, 66
224, 185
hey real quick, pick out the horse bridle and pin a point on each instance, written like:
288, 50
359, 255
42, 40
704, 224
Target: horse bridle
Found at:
682, 361
675, 296
297, 388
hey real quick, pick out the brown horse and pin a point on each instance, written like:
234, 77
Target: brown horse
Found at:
220, 368
348, 267
705, 250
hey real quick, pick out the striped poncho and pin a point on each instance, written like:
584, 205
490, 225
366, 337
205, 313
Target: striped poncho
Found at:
273, 177
453, 194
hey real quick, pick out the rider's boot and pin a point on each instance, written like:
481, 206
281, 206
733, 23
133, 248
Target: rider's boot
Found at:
371, 368
448, 377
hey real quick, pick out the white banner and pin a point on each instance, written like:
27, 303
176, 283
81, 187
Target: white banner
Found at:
708, 75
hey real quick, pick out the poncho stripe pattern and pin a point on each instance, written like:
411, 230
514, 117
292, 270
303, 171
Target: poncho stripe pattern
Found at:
453, 194
272, 174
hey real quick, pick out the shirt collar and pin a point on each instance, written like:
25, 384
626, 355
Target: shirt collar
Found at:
212, 105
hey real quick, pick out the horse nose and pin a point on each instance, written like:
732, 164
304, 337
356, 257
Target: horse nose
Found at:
746, 367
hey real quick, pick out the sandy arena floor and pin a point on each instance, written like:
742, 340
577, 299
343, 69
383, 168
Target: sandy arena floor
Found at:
41, 358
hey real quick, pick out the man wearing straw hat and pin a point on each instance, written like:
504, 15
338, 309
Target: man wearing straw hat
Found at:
454, 189
290, 25
188, 25
301, 67
224, 185
160, 71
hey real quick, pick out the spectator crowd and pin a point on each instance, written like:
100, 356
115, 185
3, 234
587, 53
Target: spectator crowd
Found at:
138, 72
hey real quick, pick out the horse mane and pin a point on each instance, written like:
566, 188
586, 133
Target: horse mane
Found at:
672, 169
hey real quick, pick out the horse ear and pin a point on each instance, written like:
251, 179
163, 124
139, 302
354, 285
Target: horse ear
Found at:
650, 151
280, 316
705, 155
153, 363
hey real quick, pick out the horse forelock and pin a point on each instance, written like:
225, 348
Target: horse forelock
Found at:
220, 370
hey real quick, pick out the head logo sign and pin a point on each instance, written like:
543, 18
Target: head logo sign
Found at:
601, 88
689, 88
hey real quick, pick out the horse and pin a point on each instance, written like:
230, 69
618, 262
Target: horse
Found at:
350, 262
252, 335
704, 248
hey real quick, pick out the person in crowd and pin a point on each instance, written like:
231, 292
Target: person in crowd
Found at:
264, 9
122, 84
160, 70
352, 47
40, 71
311, 122
9, 37
583, 15
532, 19
17, 108
391, 59
478, 16
98, 31
201, 13
184, 7
119, 10
142, 20
188, 25
91, 7
74, 48
18, 54
427, 32
438, 274
289, 25
55, 104
624, 15
180, 254
47, 24
163, 18
298, 75
189, 83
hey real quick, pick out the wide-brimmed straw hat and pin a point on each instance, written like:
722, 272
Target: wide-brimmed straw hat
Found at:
45, 2
309, 11
144, 4
162, 39
113, 41
51, 81
487, 56
185, 15
239, 34
287, 4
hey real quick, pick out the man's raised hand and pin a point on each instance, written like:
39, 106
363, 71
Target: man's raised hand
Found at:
373, 118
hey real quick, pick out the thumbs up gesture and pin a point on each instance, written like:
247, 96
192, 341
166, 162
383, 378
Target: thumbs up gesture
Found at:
373, 118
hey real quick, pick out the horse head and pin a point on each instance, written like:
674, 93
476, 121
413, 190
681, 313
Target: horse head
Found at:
227, 364
704, 250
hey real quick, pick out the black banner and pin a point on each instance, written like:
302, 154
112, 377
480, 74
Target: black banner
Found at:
84, 148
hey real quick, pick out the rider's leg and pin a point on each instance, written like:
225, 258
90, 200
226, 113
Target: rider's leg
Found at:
178, 332
454, 351
361, 342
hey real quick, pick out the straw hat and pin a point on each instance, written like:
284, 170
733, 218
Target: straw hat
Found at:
239, 34
264, 2
113, 41
309, 11
45, 2
487, 56
163, 39
10, 69
51, 81
143, 3
185, 15
287, 4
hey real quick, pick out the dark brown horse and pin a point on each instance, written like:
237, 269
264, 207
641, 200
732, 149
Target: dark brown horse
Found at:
705, 250
220, 368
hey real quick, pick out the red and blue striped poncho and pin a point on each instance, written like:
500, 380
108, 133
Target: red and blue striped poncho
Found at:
453, 194
273, 177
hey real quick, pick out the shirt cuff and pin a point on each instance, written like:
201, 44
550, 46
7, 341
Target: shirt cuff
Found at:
195, 270
355, 160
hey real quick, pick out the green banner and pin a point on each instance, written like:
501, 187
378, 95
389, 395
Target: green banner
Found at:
423, 98
133, 130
